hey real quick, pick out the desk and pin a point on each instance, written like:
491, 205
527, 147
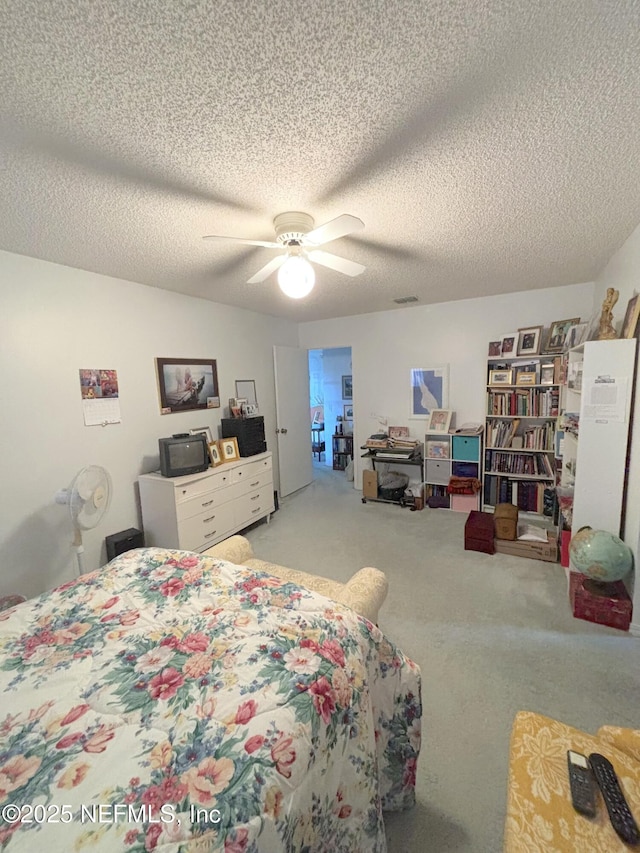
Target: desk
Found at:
373, 455
317, 444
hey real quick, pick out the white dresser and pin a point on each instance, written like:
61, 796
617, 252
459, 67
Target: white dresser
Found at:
195, 512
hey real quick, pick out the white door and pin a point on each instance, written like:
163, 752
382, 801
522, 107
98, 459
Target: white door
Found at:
291, 368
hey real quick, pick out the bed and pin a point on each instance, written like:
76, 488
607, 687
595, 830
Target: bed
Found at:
173, 701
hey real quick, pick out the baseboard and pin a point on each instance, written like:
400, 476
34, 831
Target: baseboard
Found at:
634, 629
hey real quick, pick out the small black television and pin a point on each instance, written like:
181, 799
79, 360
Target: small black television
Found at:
183, 455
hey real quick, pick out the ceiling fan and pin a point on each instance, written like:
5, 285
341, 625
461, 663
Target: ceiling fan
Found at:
299, 239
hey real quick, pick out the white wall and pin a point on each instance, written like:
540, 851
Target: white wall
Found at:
55, 320
385, 346
623, 273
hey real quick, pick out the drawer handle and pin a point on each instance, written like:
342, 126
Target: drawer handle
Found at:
208, 503
209, 535
205, 520
257, 483
255, 498
257, 509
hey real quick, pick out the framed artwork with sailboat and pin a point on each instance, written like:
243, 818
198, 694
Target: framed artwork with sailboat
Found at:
429, 390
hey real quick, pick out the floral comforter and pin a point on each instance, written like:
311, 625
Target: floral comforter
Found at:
175, 702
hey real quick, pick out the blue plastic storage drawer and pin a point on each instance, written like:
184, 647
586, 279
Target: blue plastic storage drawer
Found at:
465, 469
466, 447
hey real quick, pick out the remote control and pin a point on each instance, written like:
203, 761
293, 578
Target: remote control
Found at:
582, 784
619, 813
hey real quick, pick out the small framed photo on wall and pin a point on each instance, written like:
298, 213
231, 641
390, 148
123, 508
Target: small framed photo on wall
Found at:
347, 388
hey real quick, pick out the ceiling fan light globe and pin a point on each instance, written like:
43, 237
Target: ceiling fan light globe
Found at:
296, 277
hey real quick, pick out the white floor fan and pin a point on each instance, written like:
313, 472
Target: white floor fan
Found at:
88, 498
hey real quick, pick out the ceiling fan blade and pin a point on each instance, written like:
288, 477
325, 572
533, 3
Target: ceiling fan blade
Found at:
266, 243
266, 271
338, 227
335, 263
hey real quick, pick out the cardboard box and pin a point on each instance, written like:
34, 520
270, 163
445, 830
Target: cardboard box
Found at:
547, 551
505, 517
614, 610
369, 484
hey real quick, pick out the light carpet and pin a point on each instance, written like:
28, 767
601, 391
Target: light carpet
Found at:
491, 634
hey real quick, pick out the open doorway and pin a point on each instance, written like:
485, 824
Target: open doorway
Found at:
331, 409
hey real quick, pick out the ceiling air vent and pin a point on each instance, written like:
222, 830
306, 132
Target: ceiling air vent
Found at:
402, 300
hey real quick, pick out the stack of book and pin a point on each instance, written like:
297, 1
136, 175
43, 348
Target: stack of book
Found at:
401, 448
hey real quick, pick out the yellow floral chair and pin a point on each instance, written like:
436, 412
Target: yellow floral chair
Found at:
540, 816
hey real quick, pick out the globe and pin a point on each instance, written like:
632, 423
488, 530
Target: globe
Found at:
600, 555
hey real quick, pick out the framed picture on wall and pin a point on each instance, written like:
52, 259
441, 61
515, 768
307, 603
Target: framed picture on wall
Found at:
185, 384
347, 387
429, 390
348, 411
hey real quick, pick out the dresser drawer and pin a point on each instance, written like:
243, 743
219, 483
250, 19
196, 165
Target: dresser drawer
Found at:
254, 505
438, 471
260, 480
194, 488
210, 525
208, 500
251, 470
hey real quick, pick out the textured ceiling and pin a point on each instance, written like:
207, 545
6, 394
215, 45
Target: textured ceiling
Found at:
489, 146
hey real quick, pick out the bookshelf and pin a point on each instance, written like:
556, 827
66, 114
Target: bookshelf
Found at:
448, 455
342, 447
523, 403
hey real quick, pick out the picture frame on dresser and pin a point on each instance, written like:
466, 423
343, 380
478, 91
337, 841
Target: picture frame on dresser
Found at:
214, 454
205, 430
229, 449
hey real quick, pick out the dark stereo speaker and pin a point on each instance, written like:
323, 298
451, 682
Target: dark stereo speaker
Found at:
248, 431
118, 543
